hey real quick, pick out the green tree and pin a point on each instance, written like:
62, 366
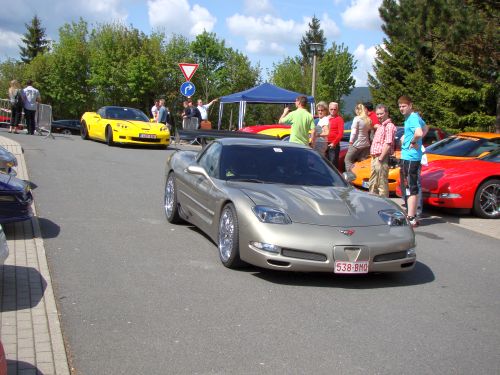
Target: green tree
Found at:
292, 75
210, 53
314, 35
68, 83
10, 69
335, 73
34, 41
443, 53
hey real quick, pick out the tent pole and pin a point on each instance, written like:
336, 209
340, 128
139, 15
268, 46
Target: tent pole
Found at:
221, 107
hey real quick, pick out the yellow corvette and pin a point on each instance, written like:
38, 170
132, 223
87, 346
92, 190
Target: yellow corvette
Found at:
123, 125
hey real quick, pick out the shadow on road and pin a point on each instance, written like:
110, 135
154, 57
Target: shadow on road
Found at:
48, 228
421, 274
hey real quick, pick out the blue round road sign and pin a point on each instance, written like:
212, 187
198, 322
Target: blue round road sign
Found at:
188, 88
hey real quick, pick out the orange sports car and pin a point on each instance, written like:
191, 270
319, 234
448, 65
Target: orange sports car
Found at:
461, 146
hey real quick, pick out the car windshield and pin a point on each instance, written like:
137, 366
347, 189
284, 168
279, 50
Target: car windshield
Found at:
463, 146
121, 113
279, 164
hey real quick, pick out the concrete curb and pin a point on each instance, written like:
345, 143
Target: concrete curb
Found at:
30, 329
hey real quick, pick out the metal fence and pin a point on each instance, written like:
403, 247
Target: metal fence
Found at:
43, 116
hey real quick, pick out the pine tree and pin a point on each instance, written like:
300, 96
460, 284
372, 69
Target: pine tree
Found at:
314, 35
34, 40
444, 54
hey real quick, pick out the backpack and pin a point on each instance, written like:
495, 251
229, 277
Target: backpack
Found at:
17, 102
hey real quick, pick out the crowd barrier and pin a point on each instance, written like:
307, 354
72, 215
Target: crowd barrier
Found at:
43, 116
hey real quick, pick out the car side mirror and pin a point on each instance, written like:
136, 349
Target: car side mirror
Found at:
349, 176
196, 169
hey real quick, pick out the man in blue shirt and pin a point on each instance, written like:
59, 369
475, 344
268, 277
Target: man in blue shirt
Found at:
411, 155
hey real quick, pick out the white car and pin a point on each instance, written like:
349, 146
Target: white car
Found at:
4, 249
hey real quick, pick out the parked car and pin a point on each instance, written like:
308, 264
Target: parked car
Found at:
468, 184
4, 249
125, 126
7, 161
434, 150
67, 127
281, 206
15, 199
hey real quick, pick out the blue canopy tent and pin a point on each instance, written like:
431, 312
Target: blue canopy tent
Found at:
262, 94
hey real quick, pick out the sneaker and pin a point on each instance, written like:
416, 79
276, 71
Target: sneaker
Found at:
413, 221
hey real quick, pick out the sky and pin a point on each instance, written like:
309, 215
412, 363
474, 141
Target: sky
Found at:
266, 31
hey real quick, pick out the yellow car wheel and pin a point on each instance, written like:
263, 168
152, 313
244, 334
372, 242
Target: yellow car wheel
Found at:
84, 132
109, 136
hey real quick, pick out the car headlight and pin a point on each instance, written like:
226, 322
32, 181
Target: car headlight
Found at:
393, 218
271, 215
266, 247
163, 129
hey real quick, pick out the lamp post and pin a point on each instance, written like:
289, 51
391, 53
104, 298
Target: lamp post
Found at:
314, 48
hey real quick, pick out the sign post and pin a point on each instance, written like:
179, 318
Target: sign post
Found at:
188, 88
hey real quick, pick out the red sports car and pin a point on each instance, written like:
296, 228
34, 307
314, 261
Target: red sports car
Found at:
473, 184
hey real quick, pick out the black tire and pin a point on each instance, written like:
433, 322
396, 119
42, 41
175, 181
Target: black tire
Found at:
109, 136
66, 132
84, 133
487, 200
228, 240
170, 203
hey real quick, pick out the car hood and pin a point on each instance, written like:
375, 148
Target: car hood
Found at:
318, 205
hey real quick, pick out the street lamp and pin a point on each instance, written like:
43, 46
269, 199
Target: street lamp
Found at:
314, 48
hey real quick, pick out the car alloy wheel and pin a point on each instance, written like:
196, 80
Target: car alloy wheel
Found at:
487, 200
171, 206
228, 237
84, 133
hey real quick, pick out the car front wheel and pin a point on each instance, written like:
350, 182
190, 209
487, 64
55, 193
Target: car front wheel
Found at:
229, 237
84, 132
170, 201
109, 136
487, 200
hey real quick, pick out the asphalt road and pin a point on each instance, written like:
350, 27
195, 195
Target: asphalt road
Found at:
140, 296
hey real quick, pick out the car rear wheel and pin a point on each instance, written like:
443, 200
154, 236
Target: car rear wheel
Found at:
109, 136
487, 200
66, 132
170, 201
84, 133
229, 237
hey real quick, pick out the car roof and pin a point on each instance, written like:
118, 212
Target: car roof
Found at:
485, 135
258, 142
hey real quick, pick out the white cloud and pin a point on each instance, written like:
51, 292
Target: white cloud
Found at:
270, 35
179, 17
266, 34
365, 58
255, 7
330, 28
9, 42
363, 14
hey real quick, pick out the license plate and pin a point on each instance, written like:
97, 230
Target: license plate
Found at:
351, 267
365, 184
147, 135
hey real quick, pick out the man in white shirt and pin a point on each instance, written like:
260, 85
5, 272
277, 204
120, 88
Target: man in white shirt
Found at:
203, 108
31, 97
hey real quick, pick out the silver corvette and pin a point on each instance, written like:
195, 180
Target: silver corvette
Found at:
281, 206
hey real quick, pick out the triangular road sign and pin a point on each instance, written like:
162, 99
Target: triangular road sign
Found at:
188, 70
